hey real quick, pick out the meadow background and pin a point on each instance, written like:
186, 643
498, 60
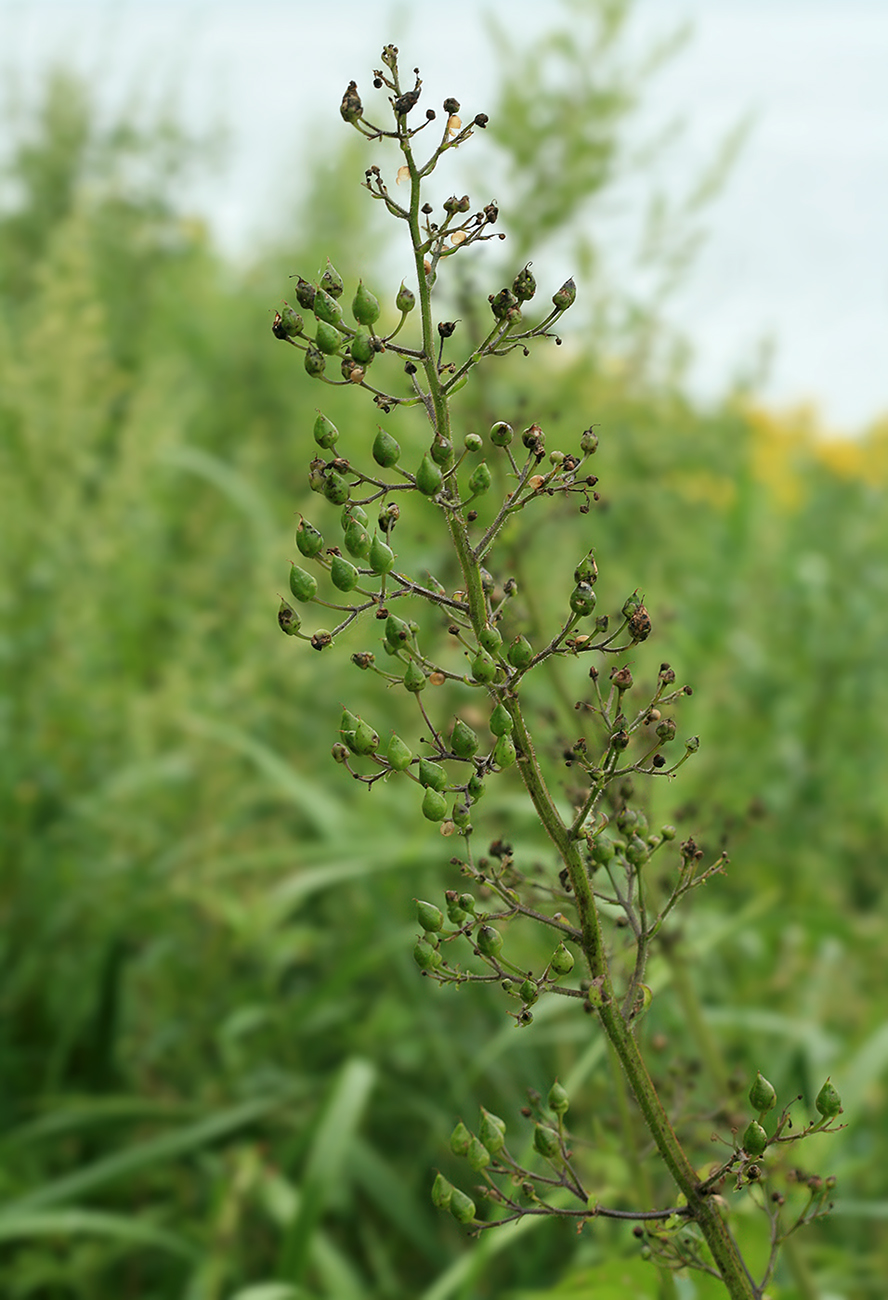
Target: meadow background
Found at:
221, 1077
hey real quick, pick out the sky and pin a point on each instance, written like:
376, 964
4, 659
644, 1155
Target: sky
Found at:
796, 254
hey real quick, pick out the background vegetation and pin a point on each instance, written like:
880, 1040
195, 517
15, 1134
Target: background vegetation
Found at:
221, 1077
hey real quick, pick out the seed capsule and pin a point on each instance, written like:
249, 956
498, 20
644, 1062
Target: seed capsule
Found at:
326, 308
762, 1094
473, 442
755, 1139
441, 1192
483, 667
520, 652
365, 307
462, 1207
406, 299
828, 1101
397, 632
478, 1155
501, 722
434, 805
429, 916
366, 740
291, 322
562, 962
386, 451
529, 993
327, 338
426, 956
362, 348
380, 558
288, 620
559, 1102
589, 442
429, 477
524, 285
398, 754
463, 740
336, 488
303, 585
314, 362
343, 574
586, 570
305, 293
351, 107
545, 1141
492, 1131
489, 941
480, 479
352, 511
460, 1139
502, 303
566, 296
331, 281
501, 434
308, 539
583, 599
504, 751
415, 679
325, 432
431, 775
475, 788
357, 540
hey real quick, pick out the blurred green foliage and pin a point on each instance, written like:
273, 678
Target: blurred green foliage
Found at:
220, 1073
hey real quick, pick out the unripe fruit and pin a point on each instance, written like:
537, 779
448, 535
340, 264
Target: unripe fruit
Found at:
589, 442
504, 754
366, 740
475, 788
462, 1207
415, 679
365, 307
362, 348
305, 293
602, 850
331, 281
429, 916
762, 1094
529, 993
460, 815
583, 599
483, 667
828, 1101
327, 338
586, 570
441, 452
489, 941
480, 479
336, 489
343, 574
434, 805
491, 639
431, 775
355, 512
467, 902
326, 308
428, 477
314, 362
524, 285
501, 722
492, 1131
397, 632
545, 1141
348, 725
339, 753
386, 450
291, 322
380, 557
502, 303
562, 962
406, 299
357, 540
566, 296
460, 1139
441, 1192
425, 956
478, 1155
302, 584
398, 753
463, 740
666, 730
473, 442
501, 434
288, 620
755, 1139
520, 652
308, 539
559, 1102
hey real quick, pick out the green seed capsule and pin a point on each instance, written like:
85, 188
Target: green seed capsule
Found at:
489, 941
357, 540
362, 348
589, 442
441, 1193
429, 917
365, 307
562, 962
524, 285
434, 805
429, 477
529, 993
545, 1141
492, 1131
559, 1102
491, 639
325, 432
327, 338
386, 451
480, 479
303, 586
566, 296
414, 678
462, 1207
586, 570
431, 775
291, 322
326, 308
755, 1139
583, 599
366, 740
309, 541
353, 511
463, 740
602, 850
288, 620
501, 721
305, 293
520, 652
397, 632
336, 488
478, 1155
441, 452
501, 434
762, 1094
473, 442
398, 754
504, 751
331, 281
314, 362
483, 667
406, 299
828, 1101
502, 303
460, 1139
475, 788
380, 557
425, 956
343, 575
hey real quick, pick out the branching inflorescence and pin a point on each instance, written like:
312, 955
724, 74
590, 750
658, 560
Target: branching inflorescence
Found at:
603, 843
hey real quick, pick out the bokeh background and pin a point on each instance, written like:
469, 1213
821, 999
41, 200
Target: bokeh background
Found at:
220, 1075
